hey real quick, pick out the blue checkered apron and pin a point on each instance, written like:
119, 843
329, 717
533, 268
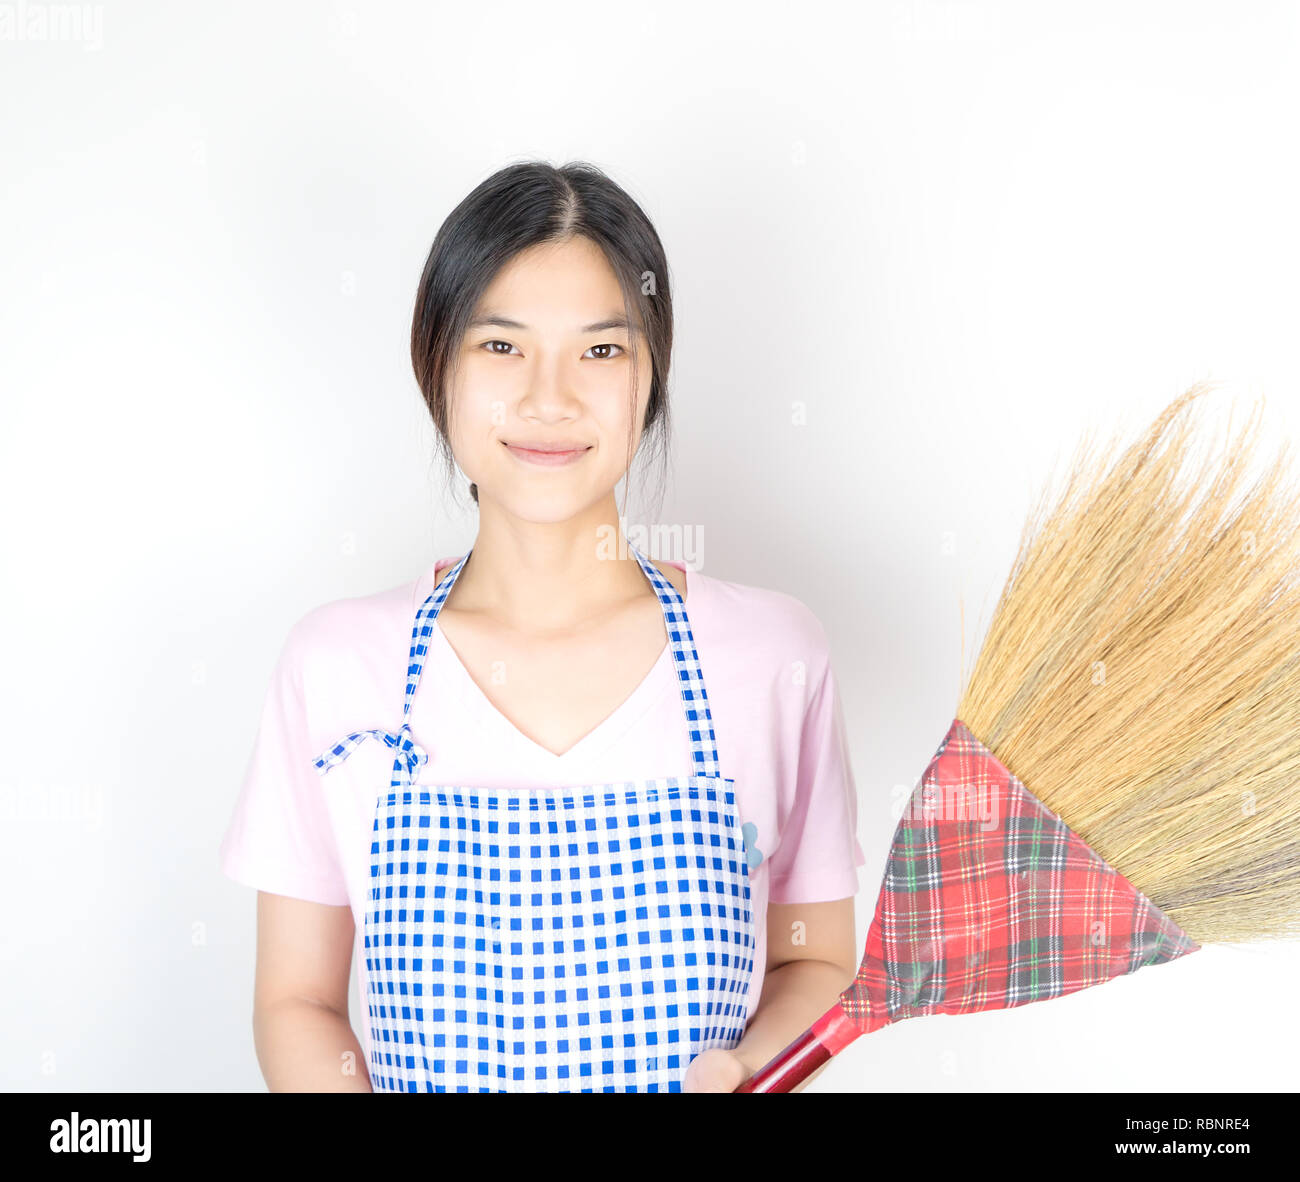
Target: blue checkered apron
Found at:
586, 939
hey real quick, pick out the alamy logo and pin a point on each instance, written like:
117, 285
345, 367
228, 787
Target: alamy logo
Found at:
106, 1135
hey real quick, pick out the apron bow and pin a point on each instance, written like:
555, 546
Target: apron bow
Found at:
411, 757
409, 753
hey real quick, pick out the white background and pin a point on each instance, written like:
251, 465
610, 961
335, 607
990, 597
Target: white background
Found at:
957, 234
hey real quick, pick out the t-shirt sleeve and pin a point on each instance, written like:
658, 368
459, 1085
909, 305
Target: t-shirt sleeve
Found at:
819, 853
280, 838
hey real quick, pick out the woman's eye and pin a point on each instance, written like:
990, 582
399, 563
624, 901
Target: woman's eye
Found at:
491, 347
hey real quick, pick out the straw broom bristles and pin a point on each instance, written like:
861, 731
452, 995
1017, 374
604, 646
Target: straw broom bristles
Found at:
1141, 675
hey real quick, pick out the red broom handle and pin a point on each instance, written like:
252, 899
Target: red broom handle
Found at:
829, 1035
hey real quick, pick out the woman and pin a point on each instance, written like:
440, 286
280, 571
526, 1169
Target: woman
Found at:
565, 863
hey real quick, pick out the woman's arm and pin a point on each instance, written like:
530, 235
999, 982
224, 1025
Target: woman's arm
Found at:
301, 1031
812, 957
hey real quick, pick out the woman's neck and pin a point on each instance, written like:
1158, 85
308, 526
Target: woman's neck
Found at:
549, 578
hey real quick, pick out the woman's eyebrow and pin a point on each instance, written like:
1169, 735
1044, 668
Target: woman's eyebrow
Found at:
506, 322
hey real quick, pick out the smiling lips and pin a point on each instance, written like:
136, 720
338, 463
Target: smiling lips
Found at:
548, 455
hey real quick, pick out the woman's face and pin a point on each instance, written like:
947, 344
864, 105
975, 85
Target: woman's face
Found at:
542, 367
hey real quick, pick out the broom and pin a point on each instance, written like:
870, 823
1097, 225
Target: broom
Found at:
1119, 786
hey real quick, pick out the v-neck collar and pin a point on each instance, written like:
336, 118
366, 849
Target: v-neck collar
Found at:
594, 741
604, 733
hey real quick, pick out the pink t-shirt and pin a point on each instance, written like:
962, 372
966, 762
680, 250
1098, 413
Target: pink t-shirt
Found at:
776, 713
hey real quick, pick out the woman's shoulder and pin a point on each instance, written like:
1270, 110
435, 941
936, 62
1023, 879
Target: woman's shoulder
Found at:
346, 636
760, 623
346, 659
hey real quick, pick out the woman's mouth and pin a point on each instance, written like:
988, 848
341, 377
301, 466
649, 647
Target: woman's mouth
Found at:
547, 457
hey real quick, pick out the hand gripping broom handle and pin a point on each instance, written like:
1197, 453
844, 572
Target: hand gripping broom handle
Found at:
829, 1035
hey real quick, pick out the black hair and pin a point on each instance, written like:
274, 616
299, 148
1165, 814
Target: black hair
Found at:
520, 206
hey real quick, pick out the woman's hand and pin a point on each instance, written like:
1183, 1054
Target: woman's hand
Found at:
715, 1070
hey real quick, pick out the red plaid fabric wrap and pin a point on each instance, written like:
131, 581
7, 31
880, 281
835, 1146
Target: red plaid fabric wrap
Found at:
990, 900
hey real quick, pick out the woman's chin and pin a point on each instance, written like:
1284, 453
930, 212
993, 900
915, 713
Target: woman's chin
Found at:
539, 506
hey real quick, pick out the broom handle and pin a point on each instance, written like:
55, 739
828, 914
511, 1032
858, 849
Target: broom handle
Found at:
829, 1035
